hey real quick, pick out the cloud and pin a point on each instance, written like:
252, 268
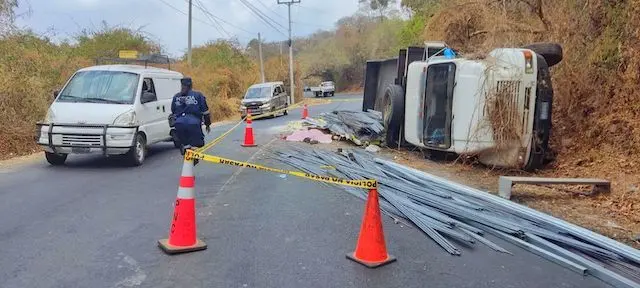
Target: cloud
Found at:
60, 19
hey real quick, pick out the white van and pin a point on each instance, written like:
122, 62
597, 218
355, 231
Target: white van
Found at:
109, 109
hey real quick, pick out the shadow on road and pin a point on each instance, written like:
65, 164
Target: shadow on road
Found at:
116, 161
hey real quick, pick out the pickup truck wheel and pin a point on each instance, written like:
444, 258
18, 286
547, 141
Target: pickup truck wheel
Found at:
393, 114
138, 152
551, 52
55, 159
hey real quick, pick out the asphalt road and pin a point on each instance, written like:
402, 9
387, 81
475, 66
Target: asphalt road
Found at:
95, 223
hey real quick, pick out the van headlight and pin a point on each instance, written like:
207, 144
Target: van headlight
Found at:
126, 119
50, 117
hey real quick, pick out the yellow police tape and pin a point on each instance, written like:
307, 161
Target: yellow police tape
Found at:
366, 183
267, 114
219, 138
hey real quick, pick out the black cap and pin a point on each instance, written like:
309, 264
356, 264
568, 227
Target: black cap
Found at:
186, 81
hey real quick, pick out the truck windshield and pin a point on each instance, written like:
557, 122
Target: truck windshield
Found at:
438, 99
113, 87
258, 92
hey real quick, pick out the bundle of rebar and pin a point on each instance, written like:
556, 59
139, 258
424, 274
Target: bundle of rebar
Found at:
445, 211
353, 125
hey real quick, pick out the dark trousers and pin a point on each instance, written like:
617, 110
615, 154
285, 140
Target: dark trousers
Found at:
189, 135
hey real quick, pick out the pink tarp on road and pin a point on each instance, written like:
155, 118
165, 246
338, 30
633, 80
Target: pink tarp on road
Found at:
313, 134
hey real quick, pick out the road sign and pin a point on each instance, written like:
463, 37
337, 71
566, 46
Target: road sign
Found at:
128, 54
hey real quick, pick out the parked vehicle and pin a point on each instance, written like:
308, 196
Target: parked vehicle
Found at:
265, 97
325, 89
497, 107
111, 110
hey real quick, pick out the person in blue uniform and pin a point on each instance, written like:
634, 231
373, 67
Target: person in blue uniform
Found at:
190, 109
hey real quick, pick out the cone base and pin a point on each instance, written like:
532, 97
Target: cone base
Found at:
170, 249
248, 145
389, 259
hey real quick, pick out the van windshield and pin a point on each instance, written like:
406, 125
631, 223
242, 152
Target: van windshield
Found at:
258, 92
113, 87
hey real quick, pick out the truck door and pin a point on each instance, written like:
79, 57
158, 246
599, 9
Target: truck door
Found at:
438, 99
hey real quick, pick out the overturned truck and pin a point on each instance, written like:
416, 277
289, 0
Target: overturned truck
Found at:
496, 107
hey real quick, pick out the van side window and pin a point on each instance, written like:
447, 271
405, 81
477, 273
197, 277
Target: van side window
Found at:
147, 86
281, 88
278, 90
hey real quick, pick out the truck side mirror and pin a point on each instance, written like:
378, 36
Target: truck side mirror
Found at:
148, 97
55, 94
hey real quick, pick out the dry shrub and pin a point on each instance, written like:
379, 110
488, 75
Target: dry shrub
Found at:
30, 70
277, 69
502, 118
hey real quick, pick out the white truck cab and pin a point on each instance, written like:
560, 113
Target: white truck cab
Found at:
458, 109
496, 108
111, 110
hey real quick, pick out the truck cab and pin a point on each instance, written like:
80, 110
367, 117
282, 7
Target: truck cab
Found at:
496, 108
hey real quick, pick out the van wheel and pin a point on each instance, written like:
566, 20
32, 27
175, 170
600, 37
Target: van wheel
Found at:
174, 139
393, 114
55, 159
138, 152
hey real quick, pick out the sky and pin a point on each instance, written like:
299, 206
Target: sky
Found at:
167, 22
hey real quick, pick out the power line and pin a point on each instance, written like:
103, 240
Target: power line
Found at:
271, 9
204, 9
185, 13
266, 19
229, 23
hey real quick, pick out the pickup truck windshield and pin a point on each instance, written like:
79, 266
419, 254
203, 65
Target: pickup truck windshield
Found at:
258, 92
112, 87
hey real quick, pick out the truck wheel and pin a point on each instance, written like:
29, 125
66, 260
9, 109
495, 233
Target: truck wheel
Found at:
551, 52
393, 114
55, 159
138, 152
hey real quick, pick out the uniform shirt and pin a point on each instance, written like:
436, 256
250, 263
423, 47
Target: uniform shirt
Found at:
189, 108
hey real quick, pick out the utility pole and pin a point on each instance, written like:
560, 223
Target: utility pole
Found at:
189, 41
291, 79
261, 62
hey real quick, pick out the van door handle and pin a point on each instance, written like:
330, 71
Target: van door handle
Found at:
163, 108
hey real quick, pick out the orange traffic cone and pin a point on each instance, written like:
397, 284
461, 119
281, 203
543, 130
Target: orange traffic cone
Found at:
305, 112
371, 250
182, 234
248, 133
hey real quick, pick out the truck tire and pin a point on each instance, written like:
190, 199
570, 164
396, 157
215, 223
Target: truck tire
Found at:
55, 159
393, 114
551, 52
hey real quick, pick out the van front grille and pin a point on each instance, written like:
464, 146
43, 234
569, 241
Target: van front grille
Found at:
81, 140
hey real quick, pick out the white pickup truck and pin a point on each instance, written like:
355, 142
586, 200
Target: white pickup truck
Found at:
327, 88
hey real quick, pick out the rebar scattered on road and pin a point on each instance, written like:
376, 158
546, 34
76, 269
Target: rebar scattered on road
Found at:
446, 211
357, 126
